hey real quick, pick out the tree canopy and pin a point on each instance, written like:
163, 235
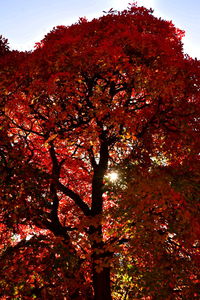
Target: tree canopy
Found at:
115, 94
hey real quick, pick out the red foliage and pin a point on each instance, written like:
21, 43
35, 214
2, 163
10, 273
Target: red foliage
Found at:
116, 93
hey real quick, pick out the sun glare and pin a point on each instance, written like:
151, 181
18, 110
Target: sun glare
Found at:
113, 176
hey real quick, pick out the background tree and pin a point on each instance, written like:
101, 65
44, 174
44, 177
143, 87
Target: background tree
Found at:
114, 94
4, 48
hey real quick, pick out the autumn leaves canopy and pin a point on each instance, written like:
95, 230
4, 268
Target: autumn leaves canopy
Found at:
113, 94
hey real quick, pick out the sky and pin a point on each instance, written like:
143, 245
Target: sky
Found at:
25, 22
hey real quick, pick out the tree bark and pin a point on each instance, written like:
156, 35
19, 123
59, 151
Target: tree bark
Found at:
101, 272
101, 284
100, 265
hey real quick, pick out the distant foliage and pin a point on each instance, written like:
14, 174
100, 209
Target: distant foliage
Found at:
4, 48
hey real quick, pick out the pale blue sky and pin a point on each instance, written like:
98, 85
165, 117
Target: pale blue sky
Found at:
25, 22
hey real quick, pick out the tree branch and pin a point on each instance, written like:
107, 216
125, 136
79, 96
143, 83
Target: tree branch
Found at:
75, 197
92, 158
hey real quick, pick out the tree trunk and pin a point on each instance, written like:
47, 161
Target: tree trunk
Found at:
101, 284
100, 271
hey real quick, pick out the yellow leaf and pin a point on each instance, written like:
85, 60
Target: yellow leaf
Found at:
51, 138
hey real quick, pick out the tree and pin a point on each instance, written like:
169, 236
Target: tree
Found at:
115, 94
4, 48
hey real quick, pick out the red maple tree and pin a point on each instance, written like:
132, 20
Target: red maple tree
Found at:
113, 95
